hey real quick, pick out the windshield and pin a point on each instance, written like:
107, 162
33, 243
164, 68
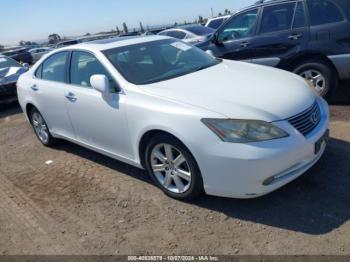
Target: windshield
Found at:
157, 61
8, 62
200, 30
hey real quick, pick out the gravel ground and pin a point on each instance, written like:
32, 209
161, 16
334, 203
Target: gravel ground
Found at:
86, 203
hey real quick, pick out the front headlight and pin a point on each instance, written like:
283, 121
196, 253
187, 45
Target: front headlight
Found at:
244, 131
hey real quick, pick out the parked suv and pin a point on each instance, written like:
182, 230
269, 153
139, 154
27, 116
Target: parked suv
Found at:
308, 37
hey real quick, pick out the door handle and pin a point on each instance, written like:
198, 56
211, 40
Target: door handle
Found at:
70, 96
244, 44
295, 36
34, 88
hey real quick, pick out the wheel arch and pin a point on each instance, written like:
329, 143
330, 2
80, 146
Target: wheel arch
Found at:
29, 106
147, 136
308, 56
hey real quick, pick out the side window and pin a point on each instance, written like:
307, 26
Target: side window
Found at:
83, 66
299, 16
177, 34
239, 26
163, 33
38, 72
324, 12
54, 68
277, 18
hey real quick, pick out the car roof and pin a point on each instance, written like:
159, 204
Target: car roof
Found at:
266, 2
219, 17
115, 42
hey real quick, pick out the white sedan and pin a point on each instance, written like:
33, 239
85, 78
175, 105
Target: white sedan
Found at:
196, 123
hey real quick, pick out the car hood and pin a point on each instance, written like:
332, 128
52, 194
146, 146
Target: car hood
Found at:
240, 90
10, 74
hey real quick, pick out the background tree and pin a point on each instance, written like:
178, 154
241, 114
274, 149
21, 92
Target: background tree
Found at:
54, 39
125, 27
200, 20
27, 43
141, 28
87, 34
118, 30
227, 12
220, 14
1, 47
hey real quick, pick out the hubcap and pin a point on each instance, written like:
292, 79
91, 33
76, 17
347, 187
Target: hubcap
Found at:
40, 127
316, 78
171, 169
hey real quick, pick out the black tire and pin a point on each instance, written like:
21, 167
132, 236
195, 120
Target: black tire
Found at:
329, 74
195, 186
50, 139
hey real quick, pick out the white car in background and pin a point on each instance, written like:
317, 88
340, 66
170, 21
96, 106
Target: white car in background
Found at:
37, 53
216, 22
192, 34
196, 123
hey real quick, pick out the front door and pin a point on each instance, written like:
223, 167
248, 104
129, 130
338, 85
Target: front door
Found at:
99, 122
233, 40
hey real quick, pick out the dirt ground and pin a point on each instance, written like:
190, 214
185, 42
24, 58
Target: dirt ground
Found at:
86, 203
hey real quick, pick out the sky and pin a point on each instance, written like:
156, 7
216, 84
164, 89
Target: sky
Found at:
34, 20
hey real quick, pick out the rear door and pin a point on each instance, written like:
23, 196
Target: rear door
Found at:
283, 32
48, 88
234, 38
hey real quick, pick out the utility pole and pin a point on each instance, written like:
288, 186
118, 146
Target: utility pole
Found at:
212, 12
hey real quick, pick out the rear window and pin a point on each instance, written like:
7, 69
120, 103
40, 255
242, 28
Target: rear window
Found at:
324, 12
177, 34
54, 67
277, 18
299, 17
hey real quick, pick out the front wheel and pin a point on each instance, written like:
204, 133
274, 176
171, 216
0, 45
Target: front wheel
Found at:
173, 168
321, 76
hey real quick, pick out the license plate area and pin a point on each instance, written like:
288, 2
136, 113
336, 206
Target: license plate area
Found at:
319, 143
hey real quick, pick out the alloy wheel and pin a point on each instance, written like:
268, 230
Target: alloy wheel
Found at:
171, 168
40, 127
316, 78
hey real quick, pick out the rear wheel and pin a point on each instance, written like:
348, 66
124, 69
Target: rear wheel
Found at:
173, 168
41, 129
320, 75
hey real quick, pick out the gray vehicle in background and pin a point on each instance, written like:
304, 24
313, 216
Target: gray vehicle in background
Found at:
37, 53
192, 34
10, 71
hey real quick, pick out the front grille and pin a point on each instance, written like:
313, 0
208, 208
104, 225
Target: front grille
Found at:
307, 121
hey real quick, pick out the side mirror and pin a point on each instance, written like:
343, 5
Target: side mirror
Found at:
215, 39
100, 83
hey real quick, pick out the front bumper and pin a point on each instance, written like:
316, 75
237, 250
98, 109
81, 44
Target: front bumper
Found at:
241, 170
